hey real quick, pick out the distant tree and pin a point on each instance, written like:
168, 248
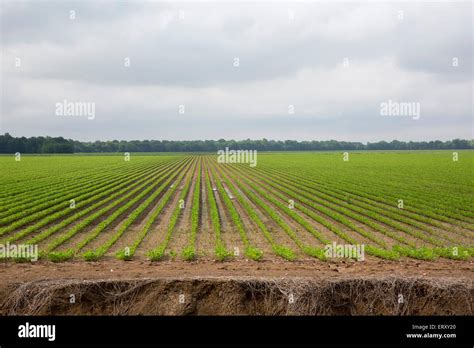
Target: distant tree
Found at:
9, 144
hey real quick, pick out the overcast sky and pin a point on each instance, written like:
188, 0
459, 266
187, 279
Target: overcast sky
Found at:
335, 63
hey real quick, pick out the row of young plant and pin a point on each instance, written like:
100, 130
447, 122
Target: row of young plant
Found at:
456, 251
322, 186
421, 173
280, 201
63, 214
63, 202
441, 192
337, 202
30, 180
436, 209
359, 204
220, 251
279, 250
406, 247
115, 209
189, 252
134, 215
59, 192
158, 253
313, 201
129, 252
339, 185
29, 183
324, 178
250, 251
439, 207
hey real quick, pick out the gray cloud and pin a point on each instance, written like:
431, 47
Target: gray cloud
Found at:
176, 60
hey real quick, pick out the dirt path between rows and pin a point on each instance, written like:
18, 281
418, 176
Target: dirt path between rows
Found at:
158, 230
205, 237
230, 236
182, 231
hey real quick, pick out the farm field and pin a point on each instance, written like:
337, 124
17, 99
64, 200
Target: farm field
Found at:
185, 207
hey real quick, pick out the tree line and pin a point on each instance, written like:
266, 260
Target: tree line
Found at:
10, 144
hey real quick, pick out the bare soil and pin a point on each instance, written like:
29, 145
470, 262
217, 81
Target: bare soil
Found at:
205, 237
230, 236
114, 287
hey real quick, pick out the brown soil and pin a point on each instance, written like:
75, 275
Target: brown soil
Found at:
205, 237
72, 242
278, 235
460, 234
129, 236
229, 234
305, 236
105, 235
446, 236
354, 234
138, 173
182, 232
254, 235
458, 231
158, 229
114, 287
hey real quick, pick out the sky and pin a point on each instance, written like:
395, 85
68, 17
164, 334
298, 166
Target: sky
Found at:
237, 70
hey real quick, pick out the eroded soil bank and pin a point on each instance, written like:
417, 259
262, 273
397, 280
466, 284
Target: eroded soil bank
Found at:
237, 288
240, 296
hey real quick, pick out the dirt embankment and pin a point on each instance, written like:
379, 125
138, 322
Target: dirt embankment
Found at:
241, 296
237, 288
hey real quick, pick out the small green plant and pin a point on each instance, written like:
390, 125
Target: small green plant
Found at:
60, 256
124, 256
164, 200
284, 252
454, 253
253, 253
382, 253
188, 253
91, 256
156, 254
422, 253
315, 252
221, 253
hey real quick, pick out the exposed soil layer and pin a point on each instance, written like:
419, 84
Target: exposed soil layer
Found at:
237, 287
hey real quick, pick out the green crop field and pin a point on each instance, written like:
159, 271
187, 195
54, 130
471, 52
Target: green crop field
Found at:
289, 206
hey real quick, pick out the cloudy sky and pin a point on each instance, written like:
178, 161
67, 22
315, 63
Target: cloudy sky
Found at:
333, 64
